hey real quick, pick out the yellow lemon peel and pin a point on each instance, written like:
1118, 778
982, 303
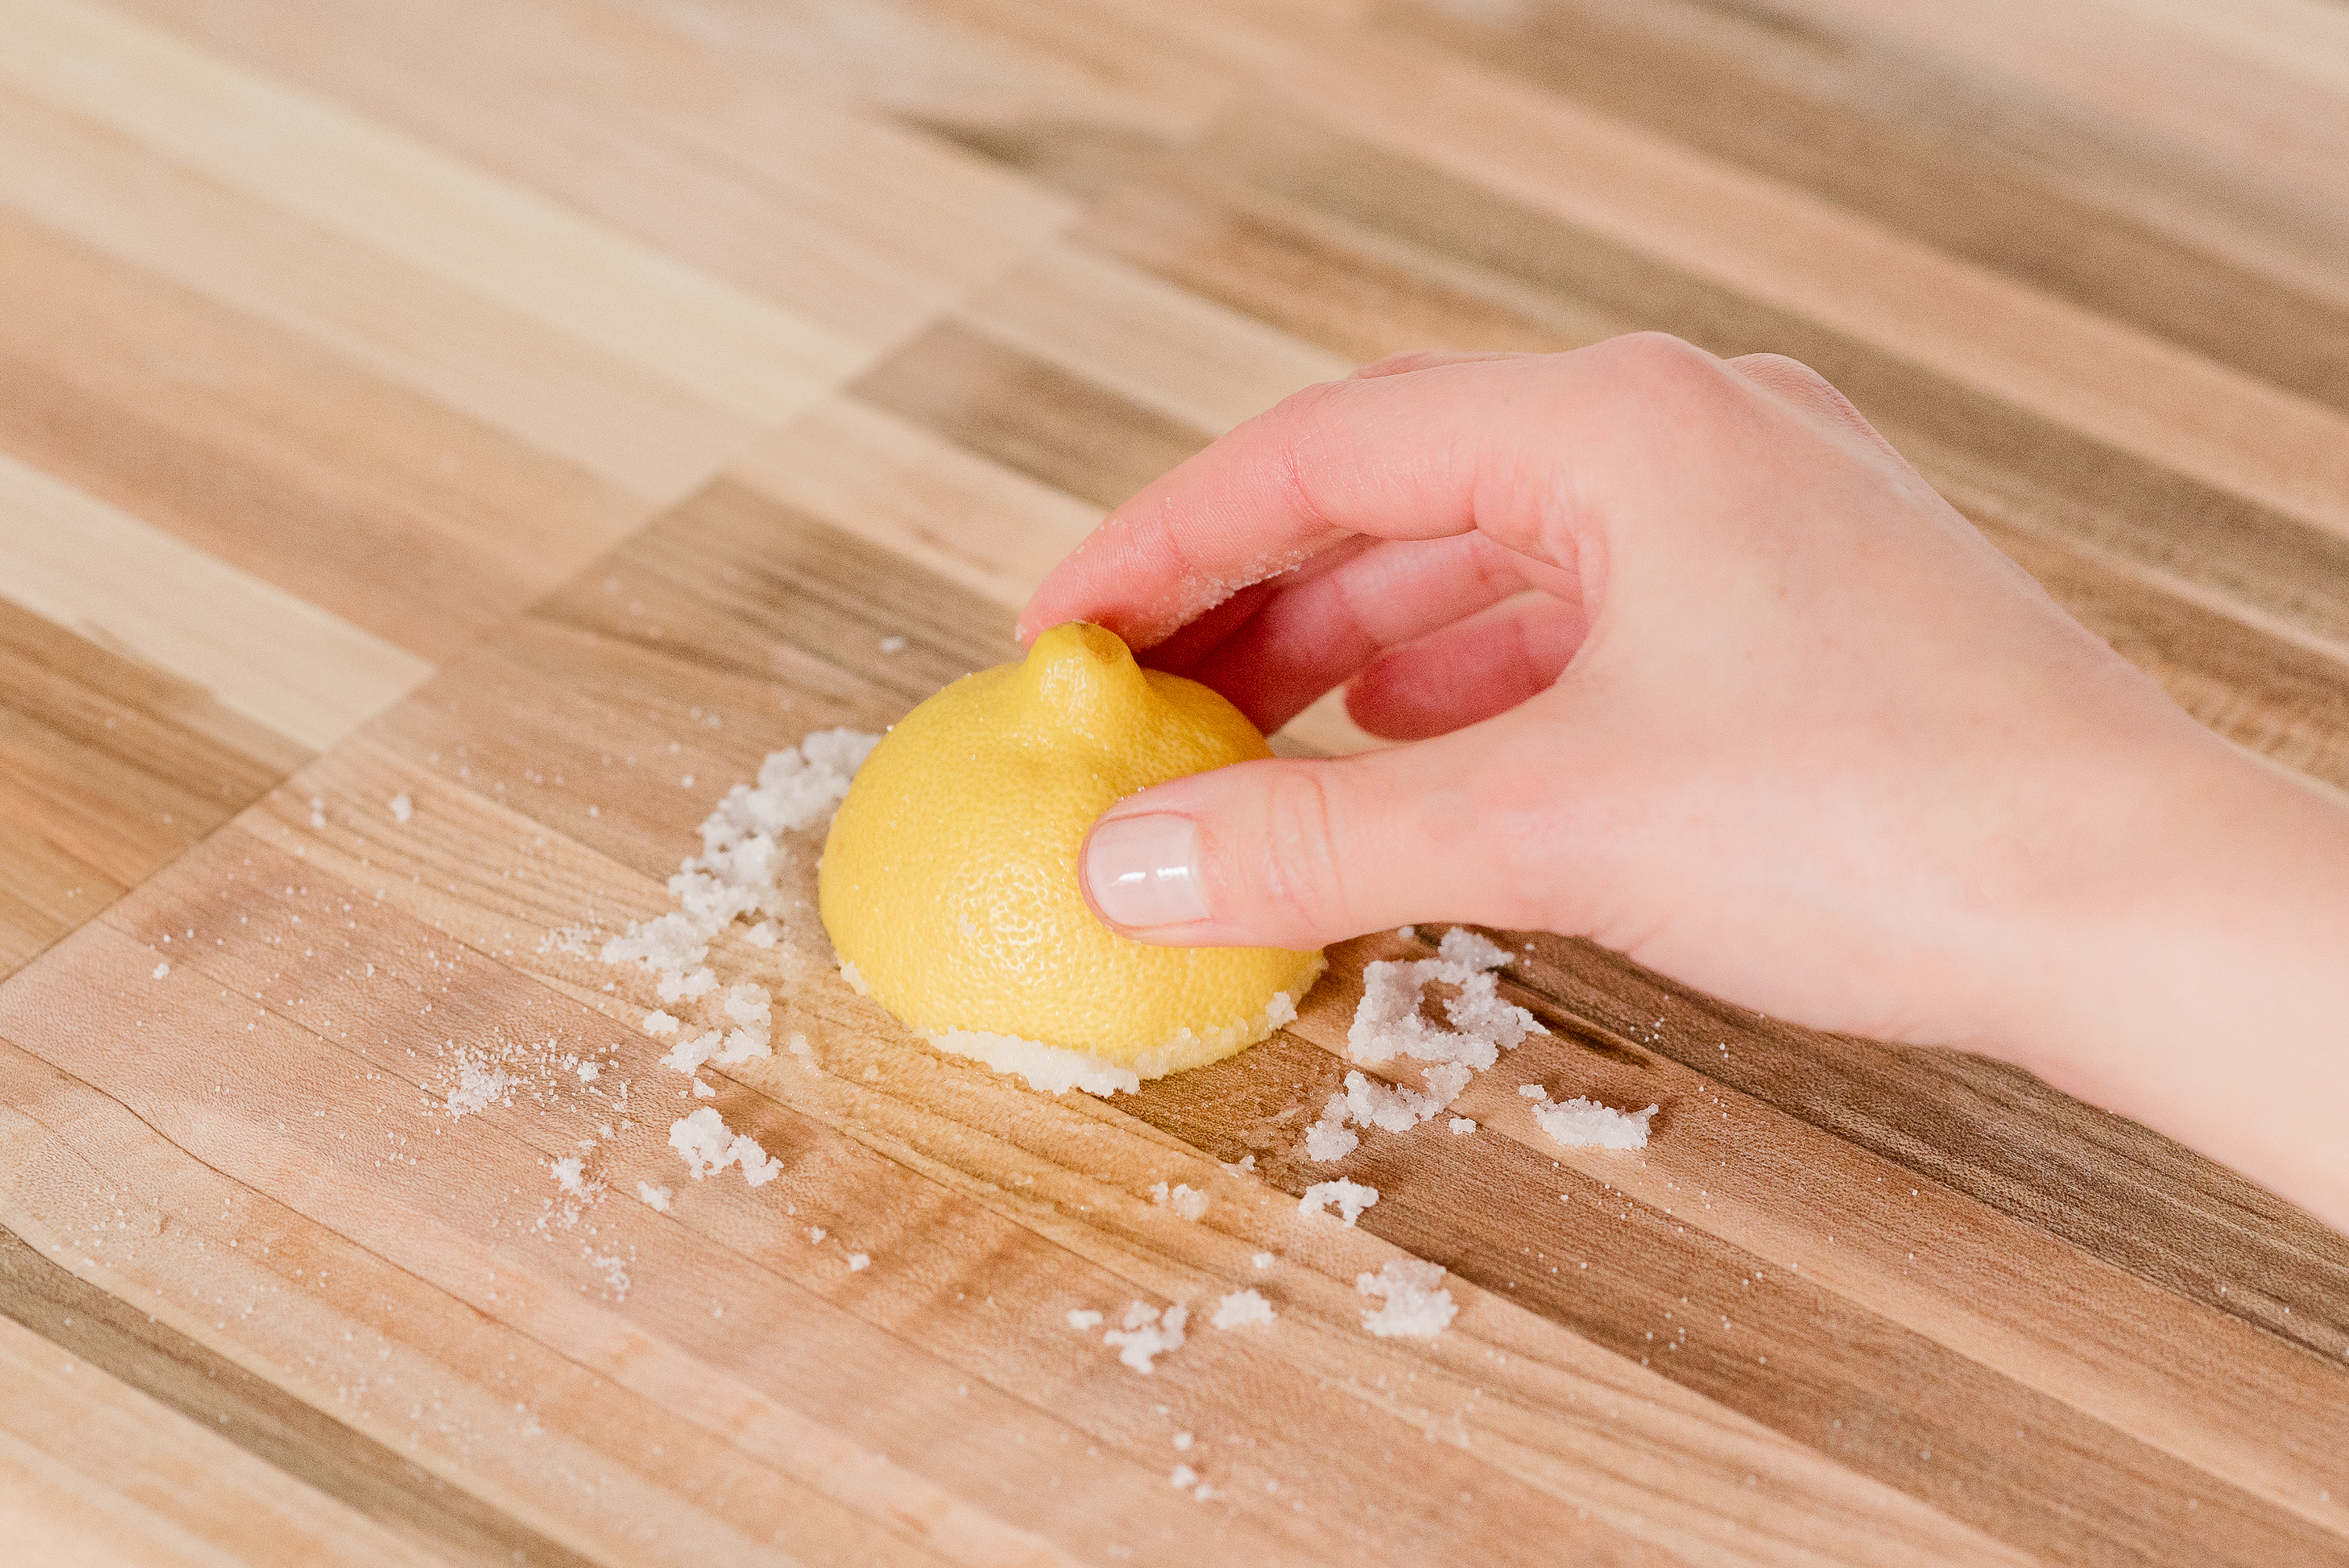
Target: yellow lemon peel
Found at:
950, 881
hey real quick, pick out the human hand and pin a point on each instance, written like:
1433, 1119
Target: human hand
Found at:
1693, 663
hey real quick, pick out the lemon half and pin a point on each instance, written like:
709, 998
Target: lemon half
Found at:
950, 881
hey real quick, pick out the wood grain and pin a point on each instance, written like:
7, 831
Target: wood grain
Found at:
543, 412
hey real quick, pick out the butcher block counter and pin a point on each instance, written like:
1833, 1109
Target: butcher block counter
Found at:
444, 446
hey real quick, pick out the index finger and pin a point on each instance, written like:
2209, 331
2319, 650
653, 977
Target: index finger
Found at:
1499, 445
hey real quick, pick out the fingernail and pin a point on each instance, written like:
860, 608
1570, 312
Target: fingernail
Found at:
1141, 871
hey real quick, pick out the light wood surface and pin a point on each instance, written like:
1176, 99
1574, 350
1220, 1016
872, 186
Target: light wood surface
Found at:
525, 409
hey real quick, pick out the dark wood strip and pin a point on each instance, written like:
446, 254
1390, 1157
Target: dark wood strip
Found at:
2000, 174
258, 1417
1078, 157
109, 768
1037, 418
1822, 1370
1994, 1132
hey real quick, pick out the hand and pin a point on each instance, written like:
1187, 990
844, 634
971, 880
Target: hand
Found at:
1693, 663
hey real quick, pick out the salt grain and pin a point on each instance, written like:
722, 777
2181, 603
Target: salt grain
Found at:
857, 1261
161, 970
1414, 1306
1241, 1309
659, 1023
480, 1084
1147, 1334
401, 808
708, 1146
1084, 1318
1352, 1198
1187, 1202
1581, 1123
656, 1197
1463, 1124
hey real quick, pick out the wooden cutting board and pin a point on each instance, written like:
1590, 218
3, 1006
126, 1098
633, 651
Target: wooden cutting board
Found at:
1852, 1304
544, 411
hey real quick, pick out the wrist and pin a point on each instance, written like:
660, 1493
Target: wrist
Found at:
2193, 974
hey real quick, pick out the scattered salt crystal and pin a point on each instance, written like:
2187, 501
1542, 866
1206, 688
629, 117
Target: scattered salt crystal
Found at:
687, 1056
317, 812
750, 1007
480, 1084
1240, 1309
703, 1091
401, 808
1182, 1443
708, 1146
161, 970
758, 1167
1184, 1477
1463, 1124
1586, 1124
588, 1071
1262, 1260
743, 851
1186, 1201
816, 1232
677, 985
657, 1197
892, 645
798, 1046
1352, 1198
1081, 1318
685, 782
762, 934
1415, 1308
1533, 1091
1147, 1334
858, 1261
1244, 1166
1327, 1139
567, 1175
1388, 1023
659, 1023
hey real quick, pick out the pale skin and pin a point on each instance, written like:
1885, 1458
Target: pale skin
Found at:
1687, 660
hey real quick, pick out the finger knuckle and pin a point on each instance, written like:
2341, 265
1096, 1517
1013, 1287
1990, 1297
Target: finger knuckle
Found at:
1302, 870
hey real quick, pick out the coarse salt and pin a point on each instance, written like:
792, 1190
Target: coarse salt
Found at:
1414, 1306
1581, 1123
709, 1146
1241, 1309
1352, 1198
1186, 1201
1148, 1333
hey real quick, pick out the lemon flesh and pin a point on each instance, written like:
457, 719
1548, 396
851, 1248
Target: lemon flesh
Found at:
950, 881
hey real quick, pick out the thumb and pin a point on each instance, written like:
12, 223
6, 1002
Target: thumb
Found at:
1299, 855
